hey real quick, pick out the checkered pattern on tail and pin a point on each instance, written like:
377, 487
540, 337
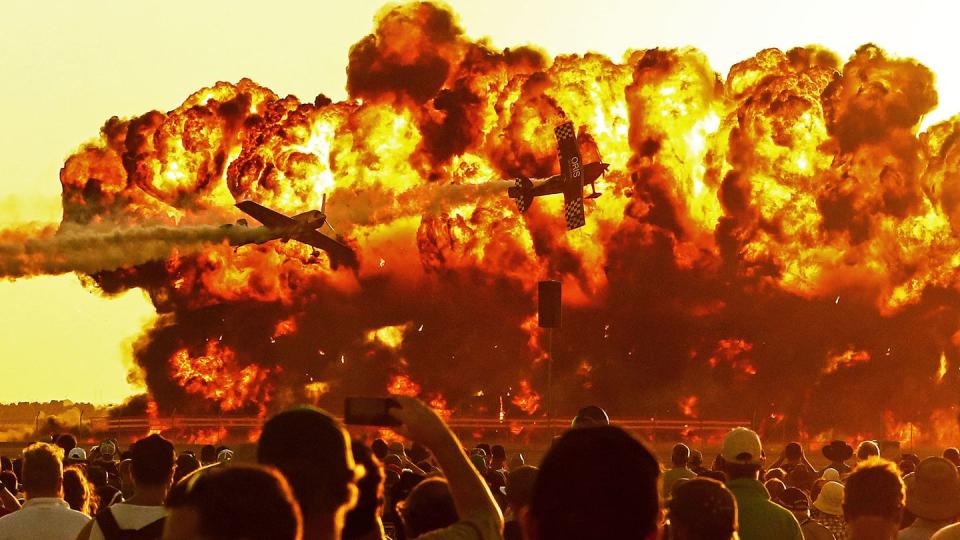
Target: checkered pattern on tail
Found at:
573, 212
523, 198
564, 131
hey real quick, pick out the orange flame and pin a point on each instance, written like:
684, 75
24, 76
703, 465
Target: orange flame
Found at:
942, 368
402, 385
734, 353
847, 358
285, 327
526, 398
688, 406
216, 376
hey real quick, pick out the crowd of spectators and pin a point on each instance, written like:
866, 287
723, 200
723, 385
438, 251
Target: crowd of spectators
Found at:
310, 480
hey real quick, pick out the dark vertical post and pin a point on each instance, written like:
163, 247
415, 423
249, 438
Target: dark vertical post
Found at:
548, 314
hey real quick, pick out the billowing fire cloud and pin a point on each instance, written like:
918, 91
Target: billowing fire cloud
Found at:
783, 239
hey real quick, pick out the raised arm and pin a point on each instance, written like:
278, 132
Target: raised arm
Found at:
471, 496
9, 501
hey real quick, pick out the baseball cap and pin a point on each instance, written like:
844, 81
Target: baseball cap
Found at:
225, 456
77, 453
107, 448
742, 446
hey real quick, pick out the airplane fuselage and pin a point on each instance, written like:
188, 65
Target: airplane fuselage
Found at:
557, 183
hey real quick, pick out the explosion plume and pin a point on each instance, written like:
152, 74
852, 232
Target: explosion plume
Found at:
780, 242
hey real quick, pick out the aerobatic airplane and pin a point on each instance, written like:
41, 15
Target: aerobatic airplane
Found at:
302, 228
573, 175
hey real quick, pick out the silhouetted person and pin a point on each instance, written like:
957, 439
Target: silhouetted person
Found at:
873, 501
933, 497
379, 448
801, 476
702, 509
78, 492
791, 457
519, 490
498, 458
487, 451
595, 482
66, 442
44, 514
208, 454
106, 494
233, 503
151, 465
679, 458
590, 416
695, 463
775, 487
867, 450
429, 507
312, 451
797, 502
186, 464
8, 493
364, 520
838, 453
952, 455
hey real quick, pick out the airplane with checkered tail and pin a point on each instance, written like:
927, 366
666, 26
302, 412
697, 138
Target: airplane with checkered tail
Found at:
574, 175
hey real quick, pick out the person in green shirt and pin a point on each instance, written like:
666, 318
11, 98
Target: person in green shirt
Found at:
741, 456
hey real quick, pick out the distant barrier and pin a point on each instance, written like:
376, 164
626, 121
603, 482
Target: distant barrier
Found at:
651, 426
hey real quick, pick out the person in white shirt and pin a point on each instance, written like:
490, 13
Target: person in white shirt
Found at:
44, 515
152, 465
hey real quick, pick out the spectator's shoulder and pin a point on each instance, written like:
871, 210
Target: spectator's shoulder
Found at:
950, 532
478, 527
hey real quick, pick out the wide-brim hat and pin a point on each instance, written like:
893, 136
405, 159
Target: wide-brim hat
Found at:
830, 474
933, 491
830, 499
838, 451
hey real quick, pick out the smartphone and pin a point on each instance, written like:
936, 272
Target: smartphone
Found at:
365, 411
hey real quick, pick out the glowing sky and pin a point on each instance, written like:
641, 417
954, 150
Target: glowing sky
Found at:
68, 66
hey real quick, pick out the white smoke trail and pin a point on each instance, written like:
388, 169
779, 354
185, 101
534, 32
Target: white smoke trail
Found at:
93, 248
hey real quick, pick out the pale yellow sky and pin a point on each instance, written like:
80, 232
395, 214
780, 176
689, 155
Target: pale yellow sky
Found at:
67, 66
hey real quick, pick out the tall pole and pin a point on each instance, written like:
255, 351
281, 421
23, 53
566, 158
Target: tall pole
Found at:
550, 382
549, 302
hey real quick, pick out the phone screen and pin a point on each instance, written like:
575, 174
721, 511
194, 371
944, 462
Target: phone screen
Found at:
364, 411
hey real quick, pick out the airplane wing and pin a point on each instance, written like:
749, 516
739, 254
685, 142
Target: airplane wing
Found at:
571, 171
573, 208
268, 217
339, 253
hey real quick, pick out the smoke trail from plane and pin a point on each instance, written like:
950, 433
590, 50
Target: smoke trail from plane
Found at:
91, 249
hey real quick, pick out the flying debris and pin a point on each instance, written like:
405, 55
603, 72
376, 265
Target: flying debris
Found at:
302, 227
573, 175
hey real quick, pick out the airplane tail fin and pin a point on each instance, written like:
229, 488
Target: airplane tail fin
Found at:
522, 193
